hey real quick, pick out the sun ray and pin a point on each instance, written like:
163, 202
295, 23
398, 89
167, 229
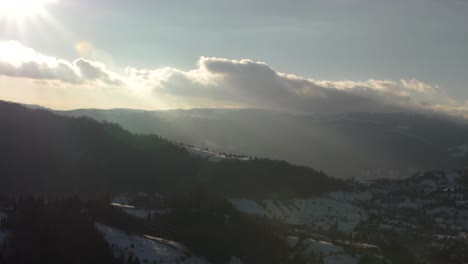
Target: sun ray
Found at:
23, 20
20, 9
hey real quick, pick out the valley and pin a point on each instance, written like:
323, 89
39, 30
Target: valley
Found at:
177, 203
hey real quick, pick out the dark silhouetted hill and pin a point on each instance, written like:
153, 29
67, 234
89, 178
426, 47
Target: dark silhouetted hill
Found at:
42, 152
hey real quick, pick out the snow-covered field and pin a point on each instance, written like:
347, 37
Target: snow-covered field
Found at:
148, 249
320, 212
439, 195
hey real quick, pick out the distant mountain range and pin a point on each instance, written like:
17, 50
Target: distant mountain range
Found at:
360, 145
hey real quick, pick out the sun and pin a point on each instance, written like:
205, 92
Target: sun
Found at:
23, 8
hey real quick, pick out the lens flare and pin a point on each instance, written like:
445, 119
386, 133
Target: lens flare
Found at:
83, 48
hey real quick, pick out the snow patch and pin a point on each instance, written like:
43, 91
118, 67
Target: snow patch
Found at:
121, 199
321, 247
210, 155
331, 253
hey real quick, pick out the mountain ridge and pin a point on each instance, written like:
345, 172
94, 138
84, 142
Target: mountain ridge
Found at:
389, 144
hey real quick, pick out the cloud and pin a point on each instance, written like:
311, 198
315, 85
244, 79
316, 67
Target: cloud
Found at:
418, 86
36, 70
17, 60
256, 84
92, 71
220, 82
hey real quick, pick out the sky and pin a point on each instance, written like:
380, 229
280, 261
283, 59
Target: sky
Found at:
303, 56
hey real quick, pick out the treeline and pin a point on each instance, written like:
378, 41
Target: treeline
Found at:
213, 228
46, 153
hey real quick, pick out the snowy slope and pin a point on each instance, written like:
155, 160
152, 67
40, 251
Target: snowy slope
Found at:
151, 249
320, 212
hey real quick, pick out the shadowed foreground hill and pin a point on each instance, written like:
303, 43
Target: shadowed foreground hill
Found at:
47, 153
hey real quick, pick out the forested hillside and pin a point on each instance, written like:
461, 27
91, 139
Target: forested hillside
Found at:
364, 145
42, 152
